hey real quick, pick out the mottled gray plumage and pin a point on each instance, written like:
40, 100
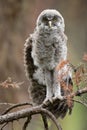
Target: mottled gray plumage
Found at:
44, 49
48, 49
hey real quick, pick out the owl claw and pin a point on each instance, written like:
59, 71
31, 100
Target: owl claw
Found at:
58, 97
48, 99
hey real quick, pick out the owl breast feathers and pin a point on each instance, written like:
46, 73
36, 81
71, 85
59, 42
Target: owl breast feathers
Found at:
48, 48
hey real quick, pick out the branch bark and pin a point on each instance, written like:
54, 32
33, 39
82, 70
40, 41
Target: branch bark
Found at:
27, 113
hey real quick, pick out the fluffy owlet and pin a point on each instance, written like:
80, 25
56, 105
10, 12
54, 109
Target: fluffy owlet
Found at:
44, 50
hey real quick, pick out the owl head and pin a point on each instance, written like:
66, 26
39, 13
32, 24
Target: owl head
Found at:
51, 19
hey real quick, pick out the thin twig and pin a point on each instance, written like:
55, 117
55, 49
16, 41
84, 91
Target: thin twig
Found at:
78, 92
53, 118
44, 118
81, 102
15, 106
26, 122
3, 126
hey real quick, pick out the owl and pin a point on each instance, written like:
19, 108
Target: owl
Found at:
44, 49
48, 48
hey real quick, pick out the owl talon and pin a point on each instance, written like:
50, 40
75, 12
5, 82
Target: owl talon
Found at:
48, 100
58, 97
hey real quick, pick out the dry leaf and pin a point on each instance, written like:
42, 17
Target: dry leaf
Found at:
10, 84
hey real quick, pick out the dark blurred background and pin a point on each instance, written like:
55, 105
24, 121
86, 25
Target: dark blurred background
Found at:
17, 21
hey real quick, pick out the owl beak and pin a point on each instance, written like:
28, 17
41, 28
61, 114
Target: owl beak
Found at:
50, 24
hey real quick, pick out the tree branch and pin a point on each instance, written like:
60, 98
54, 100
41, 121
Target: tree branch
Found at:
15, 106
41, 109
27, 113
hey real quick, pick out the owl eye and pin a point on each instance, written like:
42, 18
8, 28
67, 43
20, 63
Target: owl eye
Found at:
55, 18
44, 19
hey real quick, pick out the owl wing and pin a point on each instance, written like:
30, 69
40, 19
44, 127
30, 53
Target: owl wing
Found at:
37, 91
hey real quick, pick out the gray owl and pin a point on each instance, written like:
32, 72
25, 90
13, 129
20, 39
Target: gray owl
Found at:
44, 50
48, 49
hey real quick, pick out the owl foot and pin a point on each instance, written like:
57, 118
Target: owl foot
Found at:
48, 99
58, 97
